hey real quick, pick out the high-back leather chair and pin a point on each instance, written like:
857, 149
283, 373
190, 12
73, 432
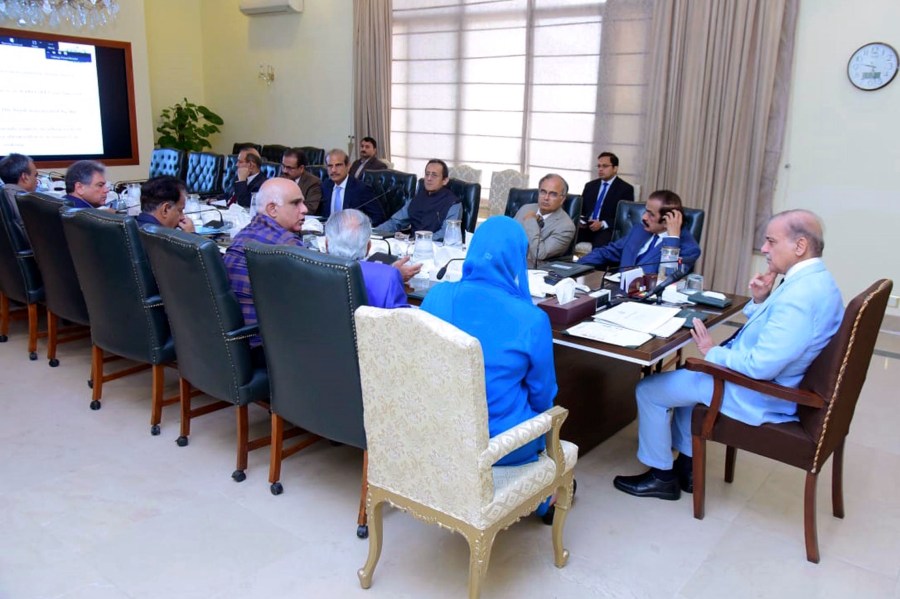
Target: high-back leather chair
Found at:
20, 279
211, 340
826, 400
628, 214
426, 423
395, 187
313, 155
272, 152
305, 302
63, 296
318, 170
167, 161
521, 197
204, 173
123, 302
237, 147
470, 196
229, 174
271, 169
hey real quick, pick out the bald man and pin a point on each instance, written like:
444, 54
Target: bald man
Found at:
787, 327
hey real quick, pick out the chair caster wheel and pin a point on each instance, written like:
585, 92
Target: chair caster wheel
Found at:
238, 476
53, 362
362, 531
95, 405
154, 430
3, 338
276, 489
90, 383
182, 441
32, 356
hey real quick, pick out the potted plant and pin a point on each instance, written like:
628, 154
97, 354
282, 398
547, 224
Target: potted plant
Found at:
187, 126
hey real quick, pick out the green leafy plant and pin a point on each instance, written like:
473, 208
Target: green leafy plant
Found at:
187, 126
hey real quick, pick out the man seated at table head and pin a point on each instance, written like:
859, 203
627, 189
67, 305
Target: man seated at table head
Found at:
19, 175
279, 220
342, 191
249, 176
347, 234
368, 159
661, 227
786, 328
162, 203
549, 229
293, 167
432, 206
86, 184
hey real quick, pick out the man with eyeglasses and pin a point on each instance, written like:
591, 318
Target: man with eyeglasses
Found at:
86, 184
599, 200
249, 176
432, 206
293, 167
549, 229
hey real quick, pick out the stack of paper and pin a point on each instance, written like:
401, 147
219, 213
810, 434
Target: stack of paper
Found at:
605, 332
646, 318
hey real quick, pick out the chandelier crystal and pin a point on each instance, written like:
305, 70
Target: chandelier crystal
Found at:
87, 14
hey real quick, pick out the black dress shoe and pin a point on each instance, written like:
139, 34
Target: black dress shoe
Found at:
684, 468
648, 485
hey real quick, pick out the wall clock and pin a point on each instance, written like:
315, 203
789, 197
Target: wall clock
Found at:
873, 66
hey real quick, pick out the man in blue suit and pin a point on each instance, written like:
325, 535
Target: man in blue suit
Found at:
661, 222
341, 191
786, 329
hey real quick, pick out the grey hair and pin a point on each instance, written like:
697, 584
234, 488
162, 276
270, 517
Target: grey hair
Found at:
347, 232
13, 167
82, 172
555, 176
806, 224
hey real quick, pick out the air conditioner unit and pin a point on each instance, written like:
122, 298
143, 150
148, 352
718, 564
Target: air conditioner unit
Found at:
269, 7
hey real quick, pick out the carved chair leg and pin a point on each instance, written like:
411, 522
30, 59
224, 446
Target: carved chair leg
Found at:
375, 537
837, 481
276, 448
699, 460
730, 455
361, 519
480, 544
809, 518
96, 376
563, 502
52, 334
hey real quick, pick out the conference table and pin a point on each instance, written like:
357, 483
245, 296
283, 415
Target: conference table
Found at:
596, 380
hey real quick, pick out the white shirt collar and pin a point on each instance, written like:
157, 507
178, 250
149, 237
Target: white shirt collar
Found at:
800, 266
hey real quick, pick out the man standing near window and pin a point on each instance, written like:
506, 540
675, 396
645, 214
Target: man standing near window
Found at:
599, 200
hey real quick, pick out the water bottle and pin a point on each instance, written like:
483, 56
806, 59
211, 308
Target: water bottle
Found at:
668, 262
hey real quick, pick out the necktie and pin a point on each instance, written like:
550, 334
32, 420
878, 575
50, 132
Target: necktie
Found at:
653, 243
337, 201
600, 197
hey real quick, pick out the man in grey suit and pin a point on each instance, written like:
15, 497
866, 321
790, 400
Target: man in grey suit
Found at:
549, 229
787, 326
367, 160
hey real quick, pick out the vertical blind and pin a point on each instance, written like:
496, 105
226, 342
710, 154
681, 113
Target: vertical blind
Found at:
532, 85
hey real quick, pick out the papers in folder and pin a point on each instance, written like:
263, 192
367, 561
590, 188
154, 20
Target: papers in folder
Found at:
605, 332
630, 324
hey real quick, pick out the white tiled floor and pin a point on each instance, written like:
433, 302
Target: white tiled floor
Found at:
92, 506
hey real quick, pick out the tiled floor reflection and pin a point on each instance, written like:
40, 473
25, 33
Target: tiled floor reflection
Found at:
92, 506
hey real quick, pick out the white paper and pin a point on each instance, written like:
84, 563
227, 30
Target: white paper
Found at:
628, 277
668, 328
645, 318
605, 332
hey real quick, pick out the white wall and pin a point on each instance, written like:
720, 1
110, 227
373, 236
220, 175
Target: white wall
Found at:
842, 152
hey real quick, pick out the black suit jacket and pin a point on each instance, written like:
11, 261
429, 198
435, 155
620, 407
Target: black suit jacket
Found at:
243, 189
372, 165
617, 192
356, 195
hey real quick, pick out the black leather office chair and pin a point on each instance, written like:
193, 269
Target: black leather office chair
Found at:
520, 197
237, 147
271, 169
305, 303
62, 292
211, 340
395, 187
272, 152
204, 173
20, 279
628, 214
313, 155
470, 196
167, 161
123, 301
319, 171
229, 175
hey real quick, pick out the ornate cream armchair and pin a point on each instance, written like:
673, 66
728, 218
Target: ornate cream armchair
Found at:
501, 183
466, 173
427, 434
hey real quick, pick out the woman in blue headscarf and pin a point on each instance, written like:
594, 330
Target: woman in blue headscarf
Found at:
492, 303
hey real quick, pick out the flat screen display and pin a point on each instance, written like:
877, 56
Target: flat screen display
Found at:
64, 98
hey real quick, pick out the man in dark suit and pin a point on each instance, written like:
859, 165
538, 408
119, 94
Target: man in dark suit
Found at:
342, 191
367, 160
249, 176
599, 200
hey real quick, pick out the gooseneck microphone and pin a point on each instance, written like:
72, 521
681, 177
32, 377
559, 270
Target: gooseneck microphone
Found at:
537, 250
657, 291
443, 271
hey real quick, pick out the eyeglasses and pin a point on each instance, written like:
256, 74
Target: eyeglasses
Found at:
551, 194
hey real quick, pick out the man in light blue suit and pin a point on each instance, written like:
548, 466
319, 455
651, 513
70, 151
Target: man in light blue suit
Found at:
786, 329
662, 220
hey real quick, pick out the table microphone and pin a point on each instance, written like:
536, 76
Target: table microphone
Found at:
657, 291
537, 250
443, 271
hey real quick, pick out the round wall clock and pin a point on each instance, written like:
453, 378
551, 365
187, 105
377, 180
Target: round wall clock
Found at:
873, 66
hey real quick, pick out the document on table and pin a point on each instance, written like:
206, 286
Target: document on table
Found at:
605, 332
645, 318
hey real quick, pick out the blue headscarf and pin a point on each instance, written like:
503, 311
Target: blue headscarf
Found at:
497, 256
